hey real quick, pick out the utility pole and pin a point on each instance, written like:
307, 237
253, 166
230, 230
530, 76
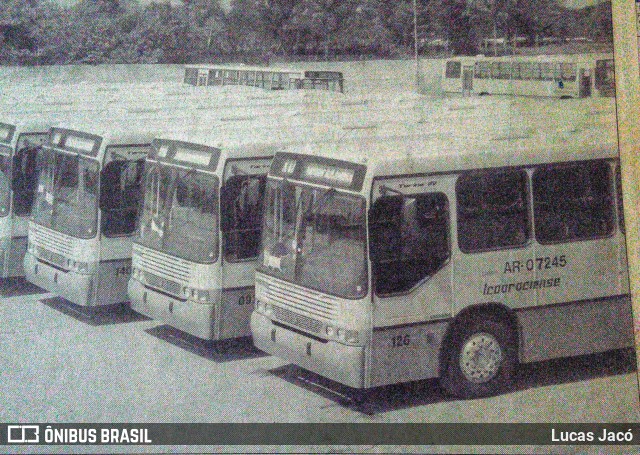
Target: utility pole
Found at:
415, 44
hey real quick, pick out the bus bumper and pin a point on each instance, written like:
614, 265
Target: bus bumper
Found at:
336, 361
75, 287
197, 319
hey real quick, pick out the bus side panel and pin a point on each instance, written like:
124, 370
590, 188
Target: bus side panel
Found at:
406, 353
235, 312
492, 277
18, 247
14, 265
113, 278
575, 329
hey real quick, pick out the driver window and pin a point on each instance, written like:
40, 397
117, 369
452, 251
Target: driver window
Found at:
242, 204
409, 238
120, 197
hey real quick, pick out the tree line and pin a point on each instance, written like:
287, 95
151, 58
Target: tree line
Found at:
37, 32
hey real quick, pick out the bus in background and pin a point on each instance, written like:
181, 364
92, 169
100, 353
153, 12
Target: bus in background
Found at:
558, 76
269, 78
389, 261
85, 208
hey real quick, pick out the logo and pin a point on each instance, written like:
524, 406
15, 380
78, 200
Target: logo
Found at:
23, 434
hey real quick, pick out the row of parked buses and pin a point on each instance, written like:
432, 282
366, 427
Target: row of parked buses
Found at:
559, 76
452, 246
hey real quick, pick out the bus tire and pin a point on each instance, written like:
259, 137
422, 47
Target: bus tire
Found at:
481, 358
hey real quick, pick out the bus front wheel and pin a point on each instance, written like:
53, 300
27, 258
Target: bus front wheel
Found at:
481, 358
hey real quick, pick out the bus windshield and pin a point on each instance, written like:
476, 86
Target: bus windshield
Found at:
315, 237
5, 179
180, 212
67, 195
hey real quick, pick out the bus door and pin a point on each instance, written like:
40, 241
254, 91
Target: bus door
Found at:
585, 82
23, 184
119, 202
467, 79
410, 250
241, 201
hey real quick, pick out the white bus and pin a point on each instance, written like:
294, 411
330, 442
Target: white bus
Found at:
199, 232
558, 76
20, 141
270, 78
85, 209
388, 261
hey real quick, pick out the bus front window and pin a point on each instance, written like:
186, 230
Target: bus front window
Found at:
180, 213
315, 237
5, 180
66, 198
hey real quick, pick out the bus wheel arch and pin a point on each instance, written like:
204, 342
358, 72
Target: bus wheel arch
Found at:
479, 353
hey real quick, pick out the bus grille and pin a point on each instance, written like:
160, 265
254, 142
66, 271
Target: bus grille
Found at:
297, 320
301, 301
162, 265
52, 258
57, 244
162, 284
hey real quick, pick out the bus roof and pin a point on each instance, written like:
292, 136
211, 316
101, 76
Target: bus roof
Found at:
266, 69
536, 58
447, 152
125, 130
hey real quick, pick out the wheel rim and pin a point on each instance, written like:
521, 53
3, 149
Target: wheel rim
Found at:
480, 358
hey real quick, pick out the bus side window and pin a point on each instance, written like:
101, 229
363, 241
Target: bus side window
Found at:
453, 70
242, 204
409, 238
120, 197
25, 178
573, 202
492, 210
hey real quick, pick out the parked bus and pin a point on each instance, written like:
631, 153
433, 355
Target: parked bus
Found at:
85, 209
19, 142
264, 77
559, 76
387, 261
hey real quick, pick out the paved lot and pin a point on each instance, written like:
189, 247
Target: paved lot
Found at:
60, 363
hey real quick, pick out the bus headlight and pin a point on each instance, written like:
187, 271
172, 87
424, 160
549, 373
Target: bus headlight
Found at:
259, 306
341, 334
199, 295
137, 274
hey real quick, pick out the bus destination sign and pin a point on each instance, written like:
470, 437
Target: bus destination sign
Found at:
329, 174
325, 171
